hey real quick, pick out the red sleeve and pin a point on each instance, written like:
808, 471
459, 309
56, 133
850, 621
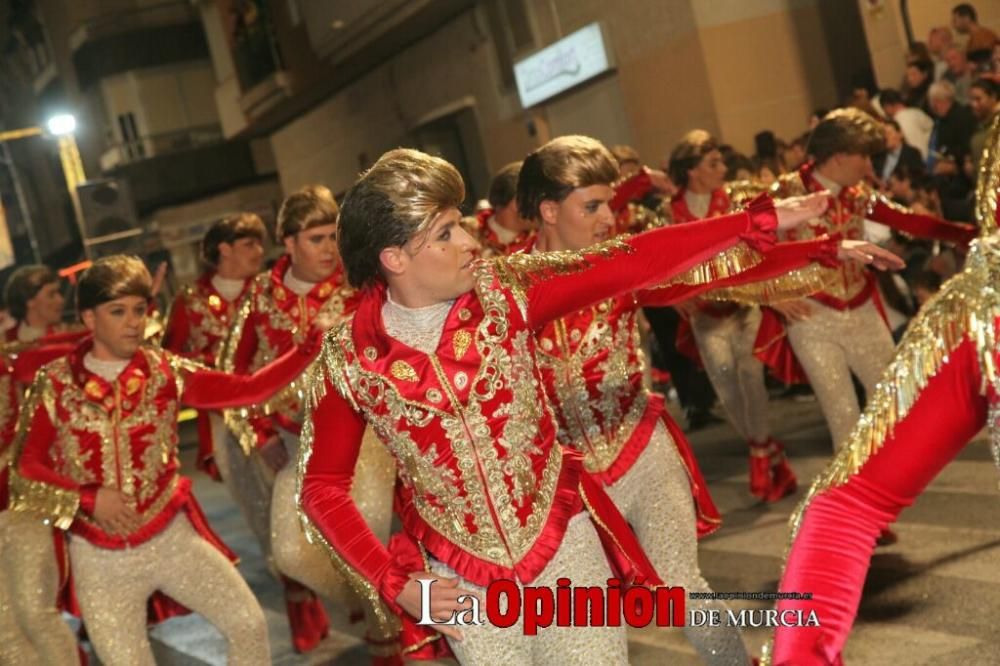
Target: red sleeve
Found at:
831, 553
653, 257
178, 328
214, 389
781, 259
9, 408
246, 348
326, 496
28, 362
923, 226
636, 187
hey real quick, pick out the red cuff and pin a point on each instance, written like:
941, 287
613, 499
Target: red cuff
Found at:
762, 234
88, 498
827, 253
406, 559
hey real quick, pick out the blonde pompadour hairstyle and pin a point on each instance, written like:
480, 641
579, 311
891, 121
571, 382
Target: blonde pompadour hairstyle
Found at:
562, 165
398, 198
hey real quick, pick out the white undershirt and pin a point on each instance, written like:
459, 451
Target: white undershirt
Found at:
505, 235
297, 286
108, 370
229, 288
420, 328
28, 333
697, 203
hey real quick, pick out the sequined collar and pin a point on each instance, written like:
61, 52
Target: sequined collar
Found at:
96, 387
374, 341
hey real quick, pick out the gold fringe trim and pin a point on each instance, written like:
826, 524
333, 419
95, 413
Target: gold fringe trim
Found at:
793, 285
57, 506
518, 272
967, 307
988, 181
733, 261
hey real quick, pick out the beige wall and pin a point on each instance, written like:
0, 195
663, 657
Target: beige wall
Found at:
729, 66
351, 129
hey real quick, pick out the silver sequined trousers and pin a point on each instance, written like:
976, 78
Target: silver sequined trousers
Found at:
113, 587
726, 346
830, 345
580, 558
655, 498
31, 628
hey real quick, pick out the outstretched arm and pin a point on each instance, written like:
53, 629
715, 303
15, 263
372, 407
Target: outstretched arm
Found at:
915, 224
557, 284
214, 389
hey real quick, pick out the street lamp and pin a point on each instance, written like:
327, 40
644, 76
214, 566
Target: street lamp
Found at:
61, 124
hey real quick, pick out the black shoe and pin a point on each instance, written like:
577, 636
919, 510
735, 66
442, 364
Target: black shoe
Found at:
700, 418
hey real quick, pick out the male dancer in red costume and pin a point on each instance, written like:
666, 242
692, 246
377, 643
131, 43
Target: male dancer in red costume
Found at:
502, 230
199, 319
276, 313
439, 358
726, 332
97, 454
842, 331
593, 369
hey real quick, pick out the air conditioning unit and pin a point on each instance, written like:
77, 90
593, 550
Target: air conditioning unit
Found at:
110, 222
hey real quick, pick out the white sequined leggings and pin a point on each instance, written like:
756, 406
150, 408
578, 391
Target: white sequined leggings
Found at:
580, 558
113, 587
294, 556
830, 345
31, 629
726, 346
655, 498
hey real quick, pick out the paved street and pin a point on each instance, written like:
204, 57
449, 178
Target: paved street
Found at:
932, 598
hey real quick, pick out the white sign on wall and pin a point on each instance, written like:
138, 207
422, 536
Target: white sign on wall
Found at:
560, 66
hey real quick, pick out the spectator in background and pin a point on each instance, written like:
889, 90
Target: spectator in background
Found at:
915, 125
918, 51
794, 154
916, 81
738, 166
938, 41
817, 116
924, 285
980, 39
953, 128
897, 153
629, 163
984, 101
766, 170
958, 73
900, 184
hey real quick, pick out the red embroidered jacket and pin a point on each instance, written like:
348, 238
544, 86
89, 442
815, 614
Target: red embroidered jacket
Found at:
199, 321
79, 433
484, 486
198, 324
269, 321
854, 283
593, 368
18, 365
